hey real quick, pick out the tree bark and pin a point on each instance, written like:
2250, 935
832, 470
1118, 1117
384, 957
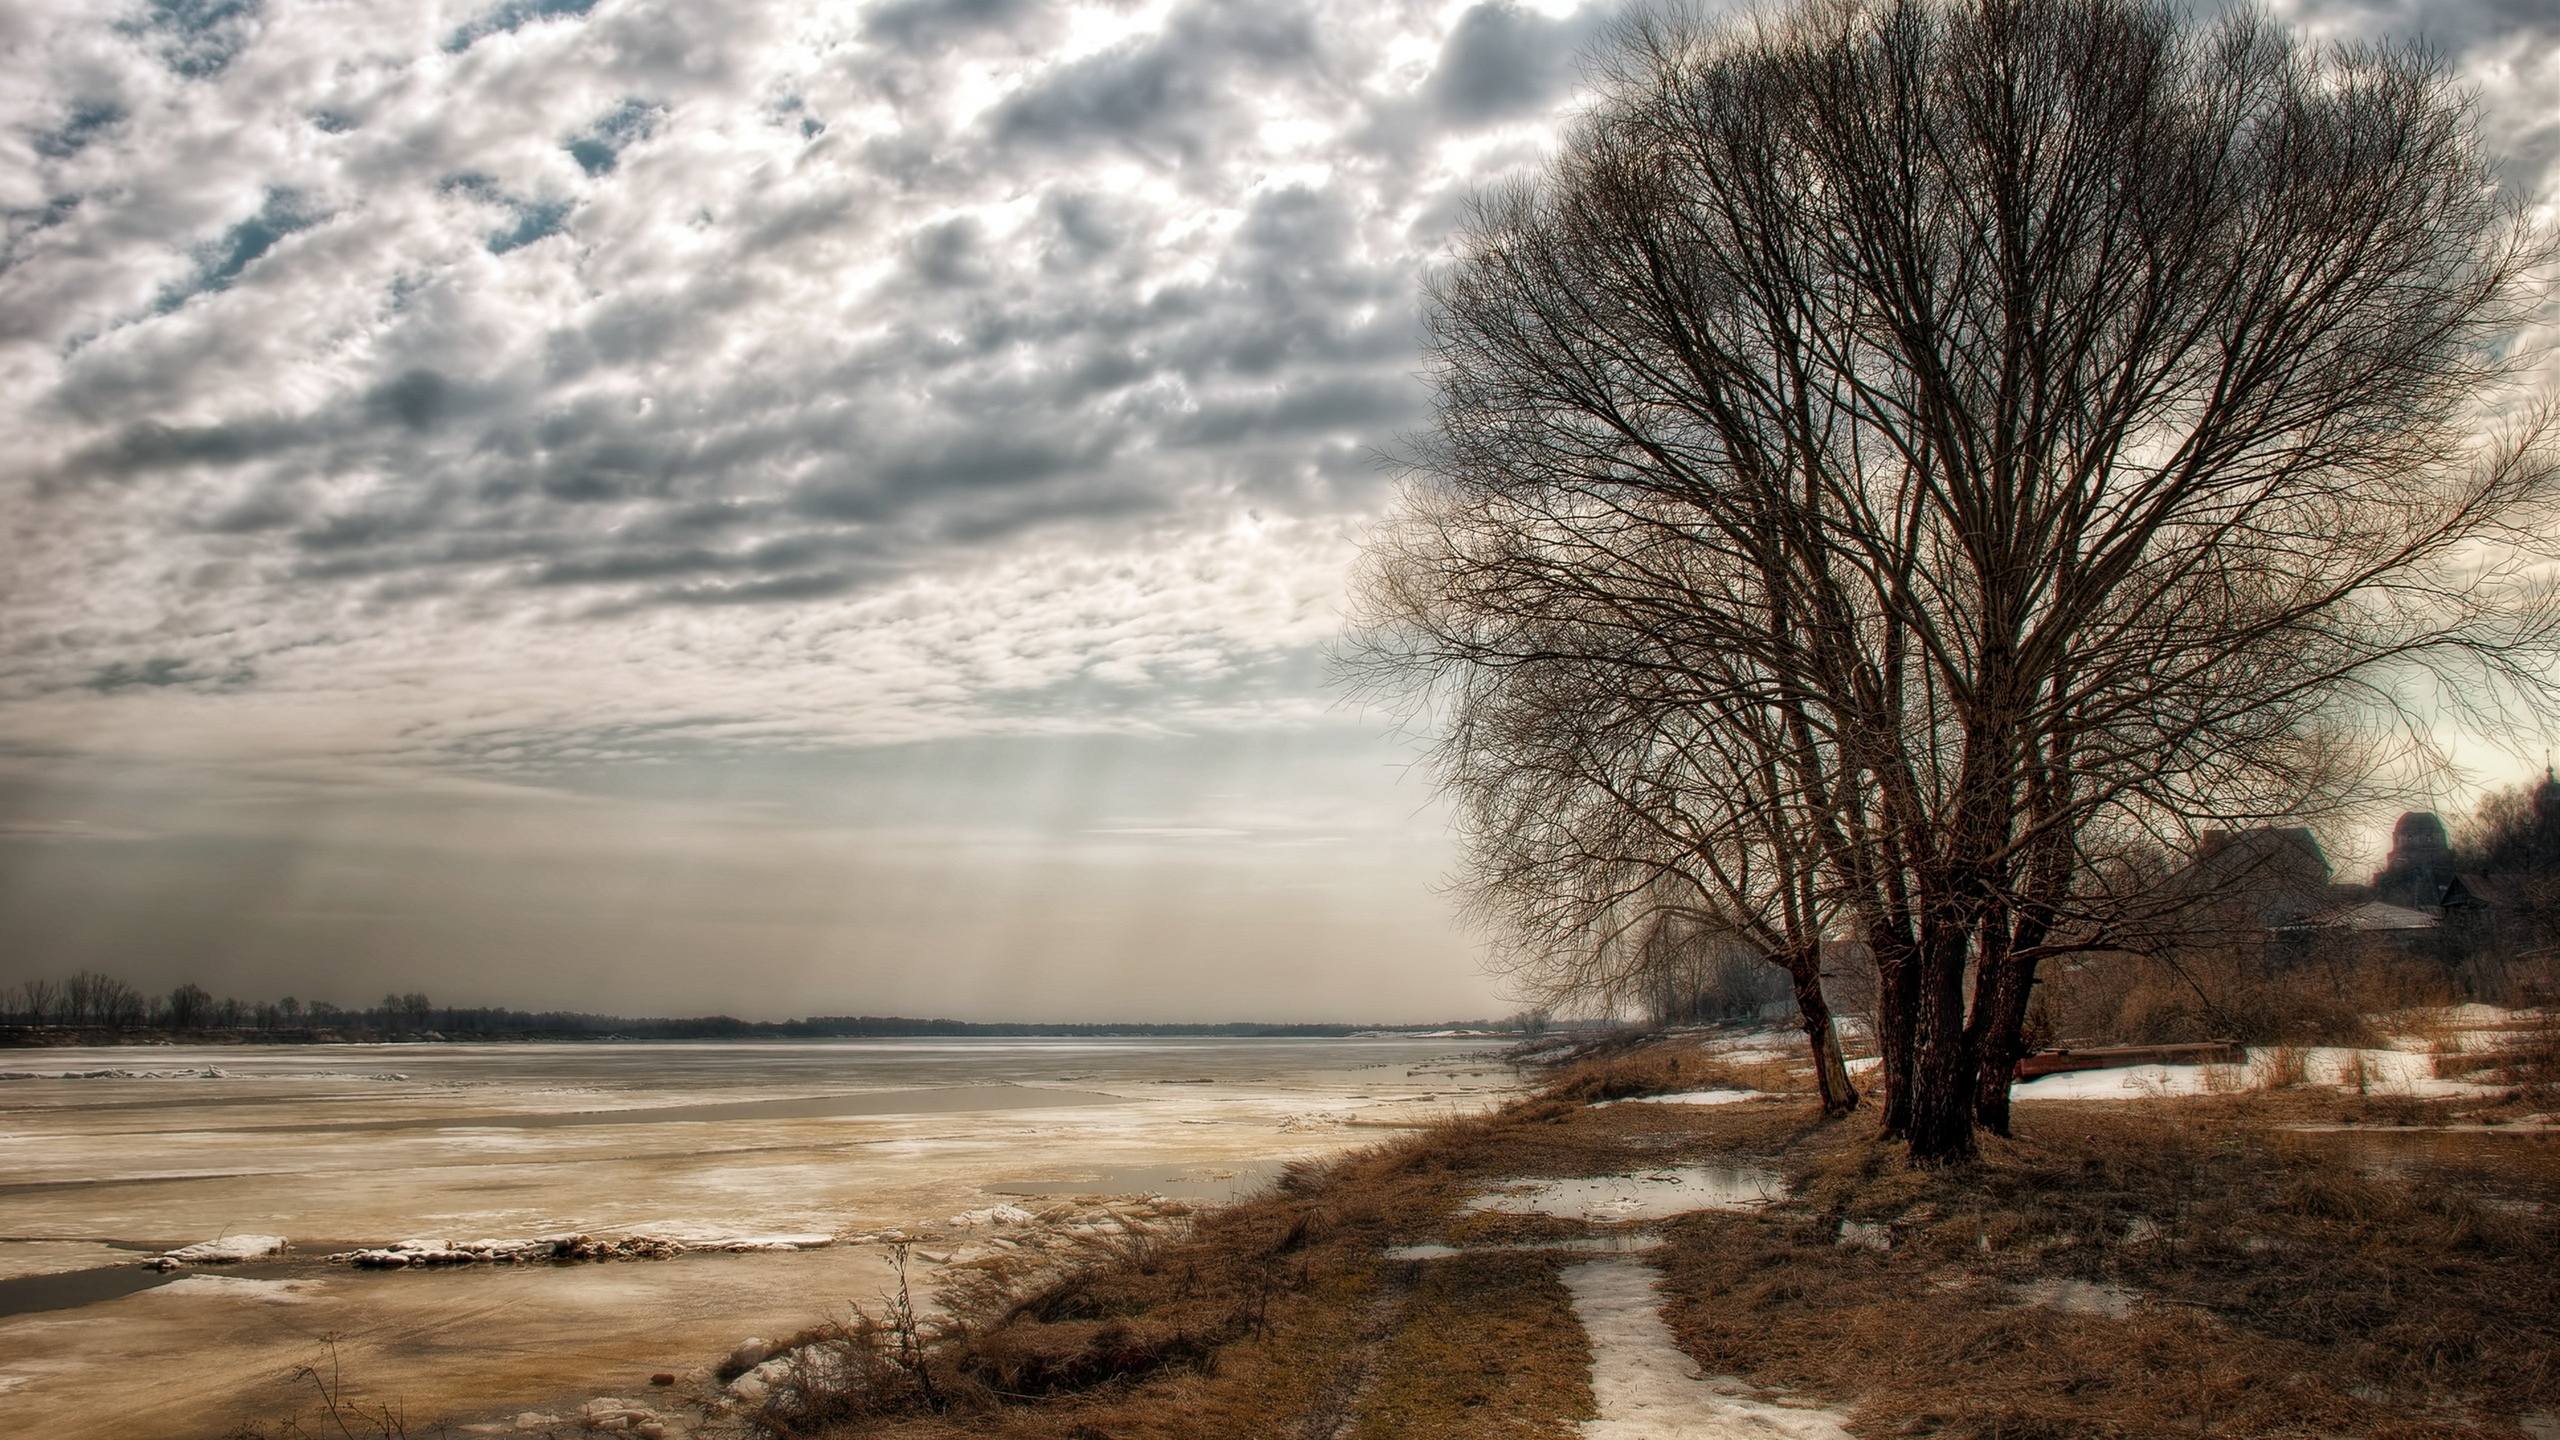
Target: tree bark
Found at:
1822, 1033
1896, 990
1940, 1124
2000, 1042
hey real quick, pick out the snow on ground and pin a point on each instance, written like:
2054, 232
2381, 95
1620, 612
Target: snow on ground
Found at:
1647, 1387
1866, 1235
2132, 1082
993, 1216
2472, 1015
1689, 1097
2380, 1072
2393, 1072
1652, 1195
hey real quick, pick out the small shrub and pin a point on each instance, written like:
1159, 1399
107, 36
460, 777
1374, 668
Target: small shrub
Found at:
2283, 1067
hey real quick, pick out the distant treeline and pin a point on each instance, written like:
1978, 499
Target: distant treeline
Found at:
91, 1002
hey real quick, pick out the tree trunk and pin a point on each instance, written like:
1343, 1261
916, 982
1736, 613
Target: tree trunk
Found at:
1939, 1130
1830, 1069
2000, 1040
1896, 990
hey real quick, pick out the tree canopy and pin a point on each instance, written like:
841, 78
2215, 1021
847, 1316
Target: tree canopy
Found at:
1897, 450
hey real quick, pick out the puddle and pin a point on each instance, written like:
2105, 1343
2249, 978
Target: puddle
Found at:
71, 1289
1215, 1185
1650, 1195
1620, 1244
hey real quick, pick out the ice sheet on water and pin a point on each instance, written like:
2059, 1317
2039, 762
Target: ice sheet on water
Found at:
230, 1249
234, 1287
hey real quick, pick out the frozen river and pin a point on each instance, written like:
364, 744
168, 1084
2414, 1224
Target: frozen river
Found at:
340, 1147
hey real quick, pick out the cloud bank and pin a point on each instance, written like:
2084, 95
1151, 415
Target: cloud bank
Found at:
472, 405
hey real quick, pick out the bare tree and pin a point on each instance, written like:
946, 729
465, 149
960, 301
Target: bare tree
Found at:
188, 1007
36, 999
79, 999
119, 1005
1616, 809
2003, 423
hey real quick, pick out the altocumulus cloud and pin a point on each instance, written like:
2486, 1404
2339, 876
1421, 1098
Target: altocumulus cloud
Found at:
406, 386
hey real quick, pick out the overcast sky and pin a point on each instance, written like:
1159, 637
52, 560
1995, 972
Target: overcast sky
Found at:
764, 507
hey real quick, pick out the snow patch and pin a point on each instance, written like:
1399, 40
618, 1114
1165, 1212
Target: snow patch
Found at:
1647, 1387
2391, 1072
1650, 1195
995, 1216
1866, 1235
2131, 1082
2384, 1072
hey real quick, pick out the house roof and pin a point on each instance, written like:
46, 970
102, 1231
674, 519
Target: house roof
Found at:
2371, 917
2478, 890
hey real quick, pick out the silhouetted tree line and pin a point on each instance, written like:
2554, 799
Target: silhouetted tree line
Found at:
2512, 849
90, 1001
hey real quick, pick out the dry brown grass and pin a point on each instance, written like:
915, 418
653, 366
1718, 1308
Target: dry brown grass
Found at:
2287, 1283
2283, 1292
2283, 1067
1485, 1346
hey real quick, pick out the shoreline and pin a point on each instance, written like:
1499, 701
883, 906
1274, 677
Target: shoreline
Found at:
2147, 1263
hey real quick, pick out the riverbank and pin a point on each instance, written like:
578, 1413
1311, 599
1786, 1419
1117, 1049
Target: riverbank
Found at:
1670, 1242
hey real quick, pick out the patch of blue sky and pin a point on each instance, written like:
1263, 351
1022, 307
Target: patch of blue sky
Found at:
600, 147
242, 246
515, 15
196, 38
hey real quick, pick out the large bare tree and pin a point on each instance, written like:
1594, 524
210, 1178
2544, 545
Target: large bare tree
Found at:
1949, 431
